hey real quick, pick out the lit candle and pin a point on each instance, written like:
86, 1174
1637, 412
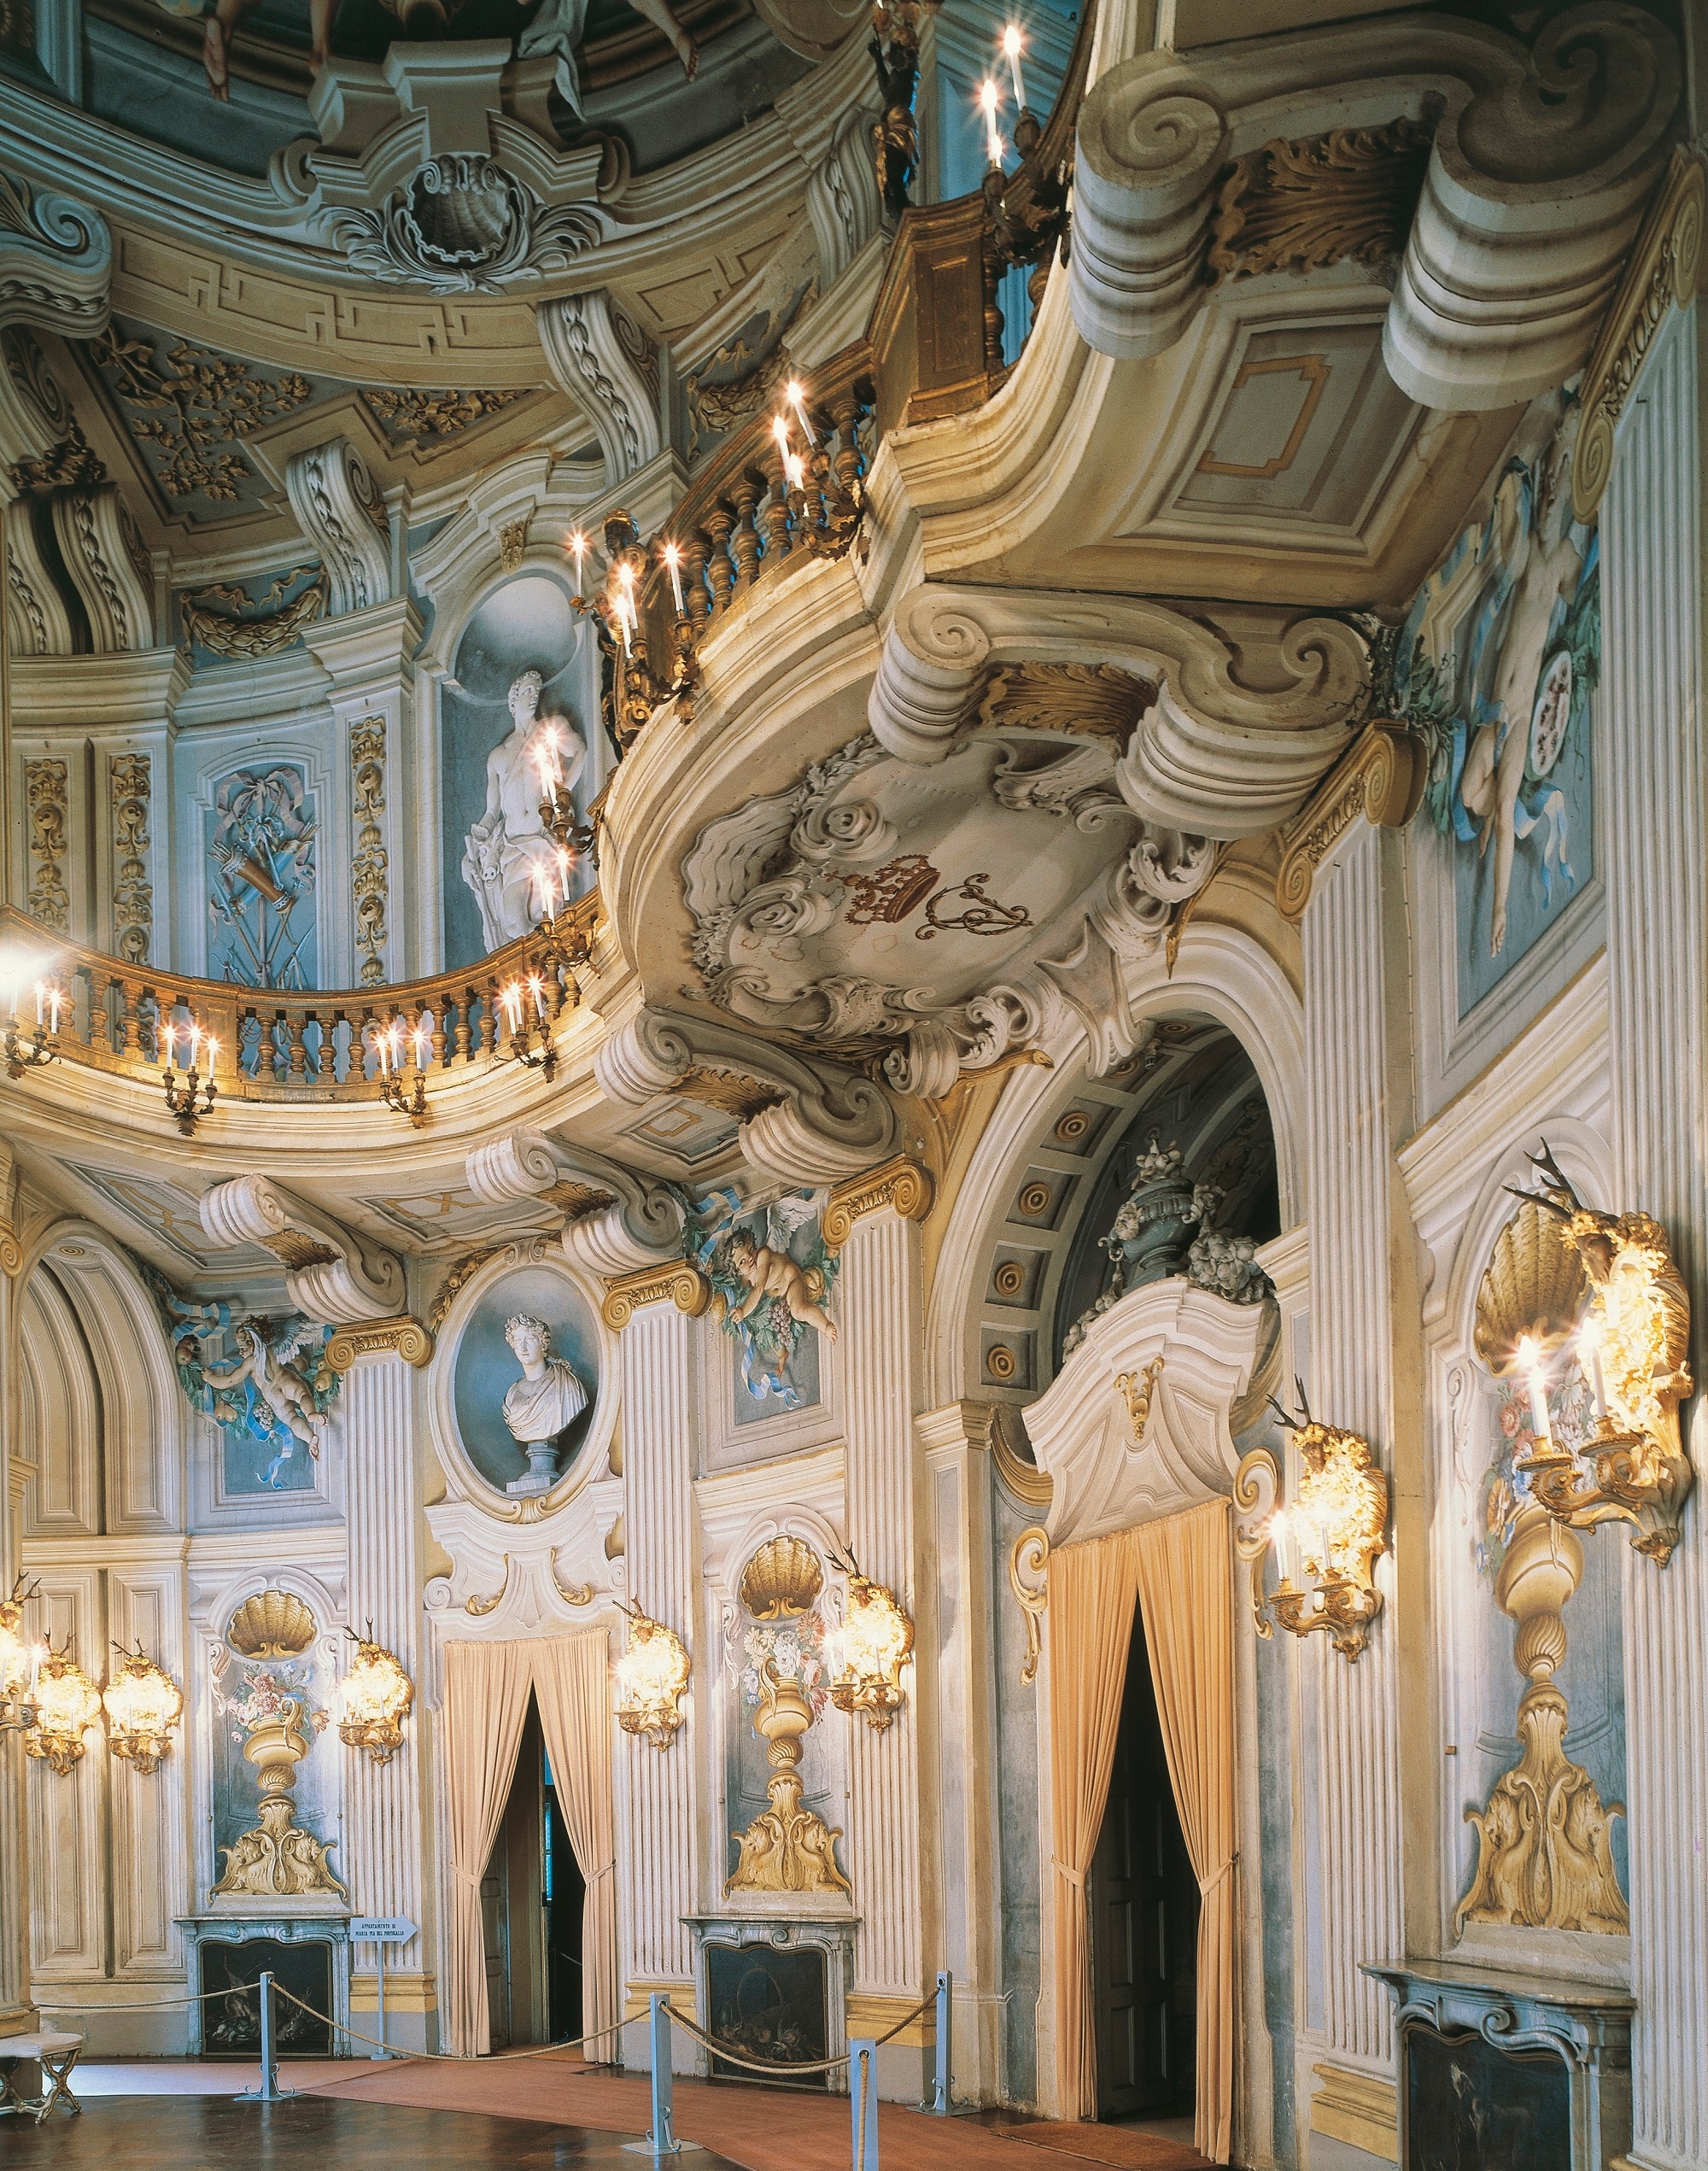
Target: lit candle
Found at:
795, 392
1589, 1346
673, 559
418, 1041
53, 1006
168, 1034
511, 998
1012, 42
578, 543
543, 889
213, 1051
41, 994
795, 470
1531, 1358
194, 1035
536, 988
1286, 1549
990, 98
563, 863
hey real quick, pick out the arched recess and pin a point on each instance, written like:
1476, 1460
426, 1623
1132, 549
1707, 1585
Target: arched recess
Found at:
103, 1420
1222, 979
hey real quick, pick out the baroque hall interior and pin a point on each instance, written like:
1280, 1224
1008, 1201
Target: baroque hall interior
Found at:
854, 1135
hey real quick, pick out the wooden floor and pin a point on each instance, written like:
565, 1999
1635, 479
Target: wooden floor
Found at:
311, 2133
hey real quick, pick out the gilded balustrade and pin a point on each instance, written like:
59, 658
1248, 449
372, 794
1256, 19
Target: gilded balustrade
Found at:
309, 1045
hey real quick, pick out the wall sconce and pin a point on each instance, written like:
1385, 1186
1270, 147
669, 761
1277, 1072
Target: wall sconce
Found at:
1330, 1538
387, 1042
67, 1703
376, 1694
143, 1704
1632, 1343
651, 1677
21, 1057
18, 1661
868, 1652
188, 1100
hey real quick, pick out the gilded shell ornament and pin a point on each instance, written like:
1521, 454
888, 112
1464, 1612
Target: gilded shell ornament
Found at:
781, 1580
1533, 1284
272, 1625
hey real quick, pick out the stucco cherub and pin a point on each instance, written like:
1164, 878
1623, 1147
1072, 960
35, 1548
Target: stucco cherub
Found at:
770, 1271
279, 1387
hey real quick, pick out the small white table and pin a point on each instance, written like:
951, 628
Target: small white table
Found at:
56, 2055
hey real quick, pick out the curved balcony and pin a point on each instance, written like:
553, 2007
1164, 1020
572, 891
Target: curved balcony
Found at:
275, 1044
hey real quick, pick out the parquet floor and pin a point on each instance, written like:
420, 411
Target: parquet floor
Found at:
311, 2134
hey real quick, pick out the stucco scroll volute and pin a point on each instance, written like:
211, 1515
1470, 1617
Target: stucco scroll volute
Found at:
331, 1277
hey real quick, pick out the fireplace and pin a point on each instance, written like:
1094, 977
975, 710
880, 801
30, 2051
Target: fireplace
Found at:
1507, 2070
776, 1988
768, 2001
308, 1956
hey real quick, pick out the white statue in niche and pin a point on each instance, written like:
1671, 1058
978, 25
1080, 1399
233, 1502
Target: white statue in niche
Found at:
548, 1397
510, 852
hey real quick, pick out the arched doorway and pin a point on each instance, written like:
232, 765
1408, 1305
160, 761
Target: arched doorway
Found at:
532, 1898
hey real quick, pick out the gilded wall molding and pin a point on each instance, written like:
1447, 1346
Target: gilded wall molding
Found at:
368, 881
133, 895
403, 1336
1382, 780
1138, 1390
1029, 1580
45, 796
1663, 273
681, 1284
901, 1183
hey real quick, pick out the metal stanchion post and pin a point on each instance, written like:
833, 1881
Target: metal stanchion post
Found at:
943, 2082
661, 2140
862, 2089
269, 2091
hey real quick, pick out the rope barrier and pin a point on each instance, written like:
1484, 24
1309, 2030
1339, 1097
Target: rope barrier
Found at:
449, 2057
155, 2005
733, 2056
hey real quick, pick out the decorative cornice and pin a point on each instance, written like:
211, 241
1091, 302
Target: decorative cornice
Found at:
684, 1286
1382, 778
901, 1183
403, 1336
1663, 272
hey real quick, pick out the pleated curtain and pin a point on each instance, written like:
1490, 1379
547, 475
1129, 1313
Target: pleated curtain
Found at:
1093, 1589
1177, 1571
486, 1704
573, 1686
487, 1686
1185, 1592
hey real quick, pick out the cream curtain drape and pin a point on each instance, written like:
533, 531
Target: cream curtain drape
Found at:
486, 1702
1092, 1591
1177, 1570
571, 1682
1186, 1589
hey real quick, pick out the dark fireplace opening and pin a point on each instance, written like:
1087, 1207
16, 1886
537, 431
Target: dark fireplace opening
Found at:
769, 2003
232, 2021
1468, 2101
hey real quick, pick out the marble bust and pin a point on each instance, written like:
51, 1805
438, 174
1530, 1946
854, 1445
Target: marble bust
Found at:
506, 848
548, 1397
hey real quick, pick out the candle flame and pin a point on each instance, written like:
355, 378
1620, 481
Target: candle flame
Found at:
990, 97
1530, 1352
1012, 42
673, 554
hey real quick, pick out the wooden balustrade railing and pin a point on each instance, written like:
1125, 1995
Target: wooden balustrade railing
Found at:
282, 1044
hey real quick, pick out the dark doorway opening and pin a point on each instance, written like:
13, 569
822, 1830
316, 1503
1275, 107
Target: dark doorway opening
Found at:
531, 1901
1144, 1905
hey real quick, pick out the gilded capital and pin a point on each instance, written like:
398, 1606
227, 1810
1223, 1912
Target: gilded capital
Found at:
1381, 780
684, 1286
901, 1183
403, 1337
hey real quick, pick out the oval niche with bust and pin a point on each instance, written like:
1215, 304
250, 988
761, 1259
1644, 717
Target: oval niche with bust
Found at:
492, 1367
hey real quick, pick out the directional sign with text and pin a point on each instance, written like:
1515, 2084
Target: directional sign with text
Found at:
382, 1929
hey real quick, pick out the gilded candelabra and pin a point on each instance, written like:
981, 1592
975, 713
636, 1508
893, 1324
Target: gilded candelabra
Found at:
527, 1016
143, 1704
388, 1046
1333, 1534
375, 1694
190, 1098
17, 1661
22, 1055
1633, 1343
869, 1649
67, 1703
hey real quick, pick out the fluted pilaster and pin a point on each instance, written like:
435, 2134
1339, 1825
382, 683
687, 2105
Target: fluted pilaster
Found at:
1650, 764
658, 1882
879, 1311
1358, 1785
381, 1864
